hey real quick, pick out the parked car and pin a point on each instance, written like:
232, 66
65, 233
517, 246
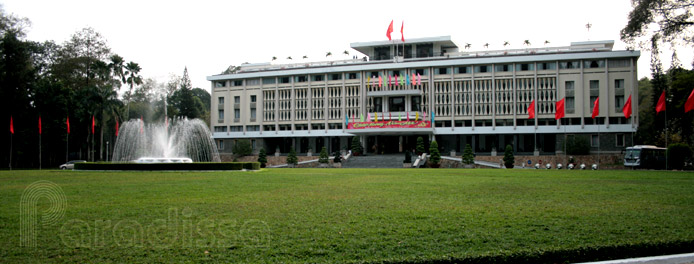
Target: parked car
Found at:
70, 165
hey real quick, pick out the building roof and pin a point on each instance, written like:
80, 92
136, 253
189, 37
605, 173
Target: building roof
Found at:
364, 47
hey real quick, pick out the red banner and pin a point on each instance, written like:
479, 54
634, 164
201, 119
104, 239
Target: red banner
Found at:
389, 124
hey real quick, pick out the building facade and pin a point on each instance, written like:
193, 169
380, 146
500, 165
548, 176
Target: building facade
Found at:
478, 98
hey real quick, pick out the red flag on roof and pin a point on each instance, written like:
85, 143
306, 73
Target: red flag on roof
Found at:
627, 108
689, 105
390, 30
531, 110
661, 104
560, 109
402, 34
596, 108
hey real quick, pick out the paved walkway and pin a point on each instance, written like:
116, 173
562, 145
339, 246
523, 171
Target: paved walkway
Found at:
667, 259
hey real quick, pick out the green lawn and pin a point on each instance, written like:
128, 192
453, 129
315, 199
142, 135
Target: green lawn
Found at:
350, 215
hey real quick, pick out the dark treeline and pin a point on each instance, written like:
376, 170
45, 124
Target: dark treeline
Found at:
79, 79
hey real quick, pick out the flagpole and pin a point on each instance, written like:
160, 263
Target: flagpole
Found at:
11, 141
67, 147
599, 143
666, 138
39, 151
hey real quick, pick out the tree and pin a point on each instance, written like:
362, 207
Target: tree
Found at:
242, 148
526, 42
509, 160
291, 158
420, 146
468, 157
231, 69
116, 65
467, 45
274, 58
655, 22
434, 155
262, 157
132, 71
486, 45
506, 43
185, 102
323, 157
578, 145
289, 58
678, 154
356, 146
328, 54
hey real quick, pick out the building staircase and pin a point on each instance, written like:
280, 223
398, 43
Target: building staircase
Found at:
375, 161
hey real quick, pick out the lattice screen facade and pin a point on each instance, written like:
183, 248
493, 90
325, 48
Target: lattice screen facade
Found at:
483, 97
269, 106
352, 101
301, 103
462, 98
317, 103
285, 107
442, 98
335, 102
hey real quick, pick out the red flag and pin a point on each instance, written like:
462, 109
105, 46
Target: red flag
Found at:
531, 110
390, 117
627, 108
39, 125
408, 116
661, 104
67, 122
93, 123
390, 30
142, 125
689, 105
596, 108
402, 34
560, 109
11, 125
116, 127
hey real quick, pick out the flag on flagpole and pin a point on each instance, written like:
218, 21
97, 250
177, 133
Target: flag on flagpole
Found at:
389, 80
346, 120
560, 109
368, 117
380, 81
396, 80
376, 116
11, 125
399, 116
419, 79
368, 80
531, 110
407, 79
596, 108
432, 117
117, 127
390, 30
361, 117
689, 105
39, 125
627, 108
93, 124
67, 122
416, 116
402, 80
402, 34
661, 104
390, 117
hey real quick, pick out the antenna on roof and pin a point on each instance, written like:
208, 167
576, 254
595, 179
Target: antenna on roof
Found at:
588, 26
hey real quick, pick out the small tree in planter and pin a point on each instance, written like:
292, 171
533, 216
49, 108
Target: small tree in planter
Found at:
420, 145
435, 156
262, 157
337, 161
468, 157
407, 163
508, 157
291, 159
323, 158
356, 146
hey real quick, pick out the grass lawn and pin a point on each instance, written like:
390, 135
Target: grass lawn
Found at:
349, 215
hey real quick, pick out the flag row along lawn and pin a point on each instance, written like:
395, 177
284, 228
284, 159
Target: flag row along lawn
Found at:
344, 215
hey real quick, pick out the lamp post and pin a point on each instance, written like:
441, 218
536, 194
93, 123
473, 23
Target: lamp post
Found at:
108, 153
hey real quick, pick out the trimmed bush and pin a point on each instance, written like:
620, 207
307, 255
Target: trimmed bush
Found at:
323, 157
420, 146
408, 157
435, 156
197, 166
579, 145
262, 157
508, 157
242, 148
291, 159
356, 146
468, 156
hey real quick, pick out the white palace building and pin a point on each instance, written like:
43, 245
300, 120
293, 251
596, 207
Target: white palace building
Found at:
436, 90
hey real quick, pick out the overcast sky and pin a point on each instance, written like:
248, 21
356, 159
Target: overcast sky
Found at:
208, 36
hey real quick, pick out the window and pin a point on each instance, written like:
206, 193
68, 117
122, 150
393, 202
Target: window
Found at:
619, 141
253, 98
252, 128
396, 104
481, 68
618, 63
221, 101
421, 71
252, 113
395, 73
425, 50
382, 53
335, 76
374, 75
378, 104
253, 82
220, 144
252, 144
503, 68
220, 129
570, 104
525, 67
269, 127
569, 86
570, 99
569, 65
219, 84
592, 64
237, 113
546, 66
220, 115
268, 80
443, 70
594, 91
594, 84
594, 141
463, 70
619, 84
238, 83
618, 102
284, 80
301, 79
416, 103
237, 99
236, 128
318, 78
352, 75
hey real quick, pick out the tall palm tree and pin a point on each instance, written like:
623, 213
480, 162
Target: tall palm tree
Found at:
526, 42
116, 66
506, 43
546, 42
289, 58
305, 57
346, 52
131, 71
467, 45
486, 45
274, 58
328, 54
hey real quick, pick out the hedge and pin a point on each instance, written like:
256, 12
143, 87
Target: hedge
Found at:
197, 166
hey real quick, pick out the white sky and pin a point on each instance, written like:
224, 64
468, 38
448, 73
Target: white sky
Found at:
208, 36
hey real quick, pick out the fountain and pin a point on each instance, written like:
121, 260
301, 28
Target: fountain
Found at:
177, 139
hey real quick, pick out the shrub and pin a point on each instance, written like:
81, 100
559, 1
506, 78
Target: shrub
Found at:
262, 157
420, 146
323, 158
338, 157
291, 159
468, 157
677, 155
408, 157
434, 152
578, 145
356, 146
508, 157
242, 148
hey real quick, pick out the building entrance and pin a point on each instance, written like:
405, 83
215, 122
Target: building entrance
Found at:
393, 144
